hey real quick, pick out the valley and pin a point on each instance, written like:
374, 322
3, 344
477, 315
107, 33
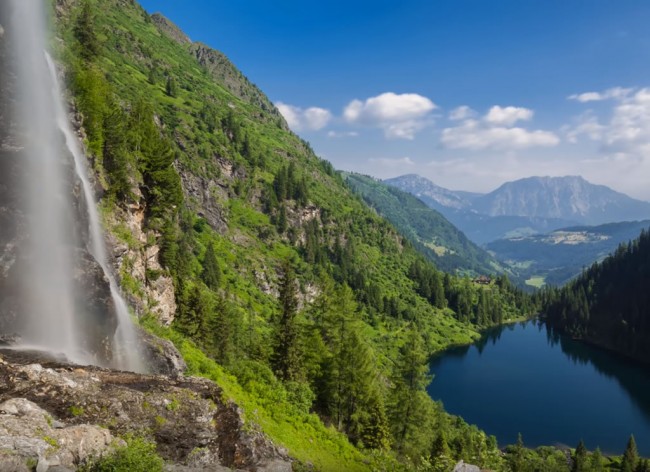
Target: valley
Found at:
188, 285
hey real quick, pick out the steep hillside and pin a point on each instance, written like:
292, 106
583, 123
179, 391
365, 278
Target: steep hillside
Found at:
430, 232
556, 257
248, 251
609, 303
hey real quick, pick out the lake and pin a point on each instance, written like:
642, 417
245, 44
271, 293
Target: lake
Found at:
552, 389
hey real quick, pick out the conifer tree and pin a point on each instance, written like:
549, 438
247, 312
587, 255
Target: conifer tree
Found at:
410, 378
596, 461
287, 355
630, 456
211, 273
84, 31
222, 328
171, 88
517, 459
580, 463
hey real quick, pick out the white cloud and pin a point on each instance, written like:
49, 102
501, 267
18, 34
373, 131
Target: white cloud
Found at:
612, 93
392, 163
461, 113
507, 116
496, 131
342, 134
298, 119
399, 115
585, 124
628, 130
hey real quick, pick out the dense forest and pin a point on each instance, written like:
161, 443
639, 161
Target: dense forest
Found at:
609, 303
307, 308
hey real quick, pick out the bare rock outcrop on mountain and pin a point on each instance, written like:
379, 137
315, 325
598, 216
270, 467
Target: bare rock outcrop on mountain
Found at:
195, 429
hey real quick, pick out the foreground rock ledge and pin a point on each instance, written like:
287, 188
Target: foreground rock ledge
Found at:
194, 428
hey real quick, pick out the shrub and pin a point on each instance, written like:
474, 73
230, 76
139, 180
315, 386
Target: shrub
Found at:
139, 455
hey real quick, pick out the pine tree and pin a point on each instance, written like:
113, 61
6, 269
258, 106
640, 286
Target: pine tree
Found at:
84, 31
287, 355
630, 456
517, 459
580, 459
282, 219
596, 461
211, 274
171, 88
410, 378
222, 328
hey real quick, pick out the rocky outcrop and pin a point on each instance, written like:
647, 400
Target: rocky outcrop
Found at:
136, 255
170, 30
194, 428
31, 437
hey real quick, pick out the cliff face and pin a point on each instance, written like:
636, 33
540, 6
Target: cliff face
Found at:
194, 427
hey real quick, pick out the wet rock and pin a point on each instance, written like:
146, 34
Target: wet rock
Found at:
162, 356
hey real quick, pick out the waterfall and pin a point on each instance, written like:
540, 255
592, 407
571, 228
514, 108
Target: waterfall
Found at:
56, 243
125, 348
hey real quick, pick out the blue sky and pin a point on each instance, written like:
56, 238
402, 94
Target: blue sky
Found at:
469, 93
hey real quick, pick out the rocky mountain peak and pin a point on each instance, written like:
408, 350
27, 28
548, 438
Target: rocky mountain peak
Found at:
170, 29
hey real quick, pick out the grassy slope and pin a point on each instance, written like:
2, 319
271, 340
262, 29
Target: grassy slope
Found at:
250, 248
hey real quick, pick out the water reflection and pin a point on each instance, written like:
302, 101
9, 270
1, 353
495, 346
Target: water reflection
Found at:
551, 388
632, 376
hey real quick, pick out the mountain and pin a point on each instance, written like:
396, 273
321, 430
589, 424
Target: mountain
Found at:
429, 231
233, 240
526, 206
609, 303
568, 198
436, 197
556, 257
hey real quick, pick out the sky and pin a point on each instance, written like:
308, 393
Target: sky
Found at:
468, 93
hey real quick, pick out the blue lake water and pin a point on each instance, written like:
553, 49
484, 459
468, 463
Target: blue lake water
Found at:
552, 389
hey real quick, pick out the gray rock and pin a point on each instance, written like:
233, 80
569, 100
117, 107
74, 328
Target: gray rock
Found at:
191, 423
27, 435
462, 467
162, 356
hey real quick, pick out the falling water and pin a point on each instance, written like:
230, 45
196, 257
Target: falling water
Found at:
50, 317
125, 348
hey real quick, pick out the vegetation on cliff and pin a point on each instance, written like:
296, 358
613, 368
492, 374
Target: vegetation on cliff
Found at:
306, 307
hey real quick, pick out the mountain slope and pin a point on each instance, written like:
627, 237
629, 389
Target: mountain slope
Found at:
266, 271
427, 229
569, 198
525, 207
609, 303
560, 255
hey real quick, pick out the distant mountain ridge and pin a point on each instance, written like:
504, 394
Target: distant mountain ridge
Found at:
427, 229
569, 198
526, 206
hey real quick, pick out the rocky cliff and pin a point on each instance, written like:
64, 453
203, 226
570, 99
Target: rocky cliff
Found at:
50, 414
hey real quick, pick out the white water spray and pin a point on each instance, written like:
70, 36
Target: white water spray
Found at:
50, 317
126, 351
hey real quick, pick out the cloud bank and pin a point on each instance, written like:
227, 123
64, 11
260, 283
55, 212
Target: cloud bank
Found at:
495, 130
298, 119
400, 116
